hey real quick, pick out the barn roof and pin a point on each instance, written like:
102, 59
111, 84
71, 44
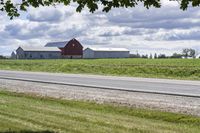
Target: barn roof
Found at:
39, 49
56, 44
109, 49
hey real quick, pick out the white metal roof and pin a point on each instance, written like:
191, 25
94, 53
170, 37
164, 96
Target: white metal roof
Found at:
39, 49
109, 49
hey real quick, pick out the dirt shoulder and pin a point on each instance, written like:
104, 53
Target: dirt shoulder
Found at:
178, 104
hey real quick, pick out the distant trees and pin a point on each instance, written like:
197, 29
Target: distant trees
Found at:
138, 56
161, 56
176, 55
145, 56
134, 56
151, 56
155, 56
188, 52
2, 57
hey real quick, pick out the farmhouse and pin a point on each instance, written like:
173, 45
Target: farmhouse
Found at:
38, 53
106, 53
69, 49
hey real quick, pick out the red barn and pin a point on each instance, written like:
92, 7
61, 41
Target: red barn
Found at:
69, 49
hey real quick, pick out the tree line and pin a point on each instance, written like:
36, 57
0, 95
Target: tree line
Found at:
186, 53
2, 57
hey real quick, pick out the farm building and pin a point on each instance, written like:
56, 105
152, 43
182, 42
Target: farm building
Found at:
13, 55
69, 49
106, 53
38, 53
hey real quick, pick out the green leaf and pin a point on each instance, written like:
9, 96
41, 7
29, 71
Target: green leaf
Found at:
92, 5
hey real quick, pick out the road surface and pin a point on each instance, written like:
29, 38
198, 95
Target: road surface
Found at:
146, 85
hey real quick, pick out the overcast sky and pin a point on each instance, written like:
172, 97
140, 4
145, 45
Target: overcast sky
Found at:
165, 30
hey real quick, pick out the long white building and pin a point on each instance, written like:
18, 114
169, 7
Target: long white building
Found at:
105, 53
38, 53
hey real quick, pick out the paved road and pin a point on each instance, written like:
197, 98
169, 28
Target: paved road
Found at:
148, 85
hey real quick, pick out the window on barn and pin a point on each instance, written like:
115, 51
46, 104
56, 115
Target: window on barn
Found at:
30, 55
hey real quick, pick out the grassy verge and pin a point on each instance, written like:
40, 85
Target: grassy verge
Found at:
160, 68
28, 113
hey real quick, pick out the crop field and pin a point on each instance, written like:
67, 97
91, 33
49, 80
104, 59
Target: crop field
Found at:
155, 68
27, 113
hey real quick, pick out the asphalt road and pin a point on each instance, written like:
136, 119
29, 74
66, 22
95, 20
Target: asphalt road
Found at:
146, 85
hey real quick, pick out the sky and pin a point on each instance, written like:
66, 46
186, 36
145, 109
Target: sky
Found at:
157, 30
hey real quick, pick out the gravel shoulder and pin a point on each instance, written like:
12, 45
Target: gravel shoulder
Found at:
178, 104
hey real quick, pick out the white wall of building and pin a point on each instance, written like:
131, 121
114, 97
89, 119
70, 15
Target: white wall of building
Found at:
13, 55
42, 55
89, 53
21, 54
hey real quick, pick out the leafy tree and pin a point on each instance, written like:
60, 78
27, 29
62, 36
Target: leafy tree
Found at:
188, 52
12, 9
192, 53
185, 52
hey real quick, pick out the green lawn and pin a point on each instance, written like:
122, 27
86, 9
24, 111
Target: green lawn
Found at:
28, 113
158, 68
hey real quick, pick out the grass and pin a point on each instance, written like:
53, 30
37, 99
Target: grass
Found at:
159, 68
23, 113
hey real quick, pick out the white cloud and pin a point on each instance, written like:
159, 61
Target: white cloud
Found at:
41, 15
167, 29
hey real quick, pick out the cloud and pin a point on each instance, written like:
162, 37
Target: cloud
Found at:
165, 17
167, 29
41, 14
175, 34
24, 30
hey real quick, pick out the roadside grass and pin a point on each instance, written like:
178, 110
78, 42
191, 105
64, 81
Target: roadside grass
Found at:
24, 113
154, 68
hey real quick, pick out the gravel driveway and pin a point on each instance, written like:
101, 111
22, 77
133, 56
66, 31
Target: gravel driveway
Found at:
186, 105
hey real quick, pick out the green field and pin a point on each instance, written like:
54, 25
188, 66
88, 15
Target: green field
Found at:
29, 113
158, 68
